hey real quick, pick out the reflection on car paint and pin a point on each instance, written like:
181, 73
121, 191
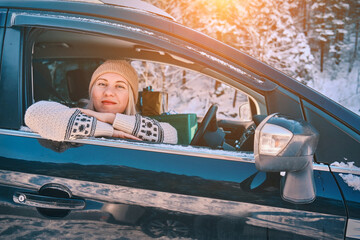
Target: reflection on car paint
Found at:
17, 227
276, 218
353, 230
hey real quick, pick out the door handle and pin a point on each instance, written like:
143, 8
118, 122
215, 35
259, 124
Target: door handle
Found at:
40, 201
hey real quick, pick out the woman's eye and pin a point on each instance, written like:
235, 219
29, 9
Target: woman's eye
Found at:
101, 84
120, 86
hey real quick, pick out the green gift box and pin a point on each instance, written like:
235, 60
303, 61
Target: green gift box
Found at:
185, 124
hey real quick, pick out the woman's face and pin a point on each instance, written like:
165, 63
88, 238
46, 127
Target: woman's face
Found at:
110, 93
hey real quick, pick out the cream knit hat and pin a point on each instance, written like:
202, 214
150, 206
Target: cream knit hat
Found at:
121, 67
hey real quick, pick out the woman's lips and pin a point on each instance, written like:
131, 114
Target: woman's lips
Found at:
107, 102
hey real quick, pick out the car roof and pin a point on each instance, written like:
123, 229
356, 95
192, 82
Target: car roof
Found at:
136, 5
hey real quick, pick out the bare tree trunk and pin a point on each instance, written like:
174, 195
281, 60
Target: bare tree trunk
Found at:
358, 82
235, 96
322, 46
353, 57
184, 77
305, 17
163, 76
219, 37
356, 39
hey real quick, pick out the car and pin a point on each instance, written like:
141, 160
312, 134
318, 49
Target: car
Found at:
259, 155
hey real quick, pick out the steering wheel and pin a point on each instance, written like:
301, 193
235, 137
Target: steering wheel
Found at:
246, 141
208, 123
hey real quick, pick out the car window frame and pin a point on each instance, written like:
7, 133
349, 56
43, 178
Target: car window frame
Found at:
30, 19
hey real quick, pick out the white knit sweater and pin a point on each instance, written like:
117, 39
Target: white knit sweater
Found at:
57, 122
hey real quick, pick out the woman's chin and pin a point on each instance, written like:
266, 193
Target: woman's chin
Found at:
110, 109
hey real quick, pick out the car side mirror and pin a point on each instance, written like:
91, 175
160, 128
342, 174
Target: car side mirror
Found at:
286, 145
245, 112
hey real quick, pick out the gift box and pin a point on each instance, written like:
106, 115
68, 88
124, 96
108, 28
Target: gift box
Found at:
185, 124
152, 102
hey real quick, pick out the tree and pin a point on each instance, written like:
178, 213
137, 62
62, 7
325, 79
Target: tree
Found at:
263, 29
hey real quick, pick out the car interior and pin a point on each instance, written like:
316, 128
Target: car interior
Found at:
63, 62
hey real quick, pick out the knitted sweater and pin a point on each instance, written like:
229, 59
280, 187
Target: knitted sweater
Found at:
57, 122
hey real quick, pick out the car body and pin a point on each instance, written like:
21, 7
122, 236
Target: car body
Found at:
138, 190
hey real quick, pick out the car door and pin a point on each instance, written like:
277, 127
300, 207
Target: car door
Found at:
115, 188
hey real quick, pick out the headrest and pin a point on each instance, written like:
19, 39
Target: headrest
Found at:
77, 84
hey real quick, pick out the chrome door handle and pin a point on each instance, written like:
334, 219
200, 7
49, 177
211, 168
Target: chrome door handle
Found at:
35, 200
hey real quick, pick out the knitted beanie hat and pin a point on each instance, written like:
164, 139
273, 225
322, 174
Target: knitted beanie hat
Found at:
121, 67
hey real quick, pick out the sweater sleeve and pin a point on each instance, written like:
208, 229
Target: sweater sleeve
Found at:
146, 128
57, 122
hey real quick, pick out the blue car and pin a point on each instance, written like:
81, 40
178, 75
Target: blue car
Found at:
260, 157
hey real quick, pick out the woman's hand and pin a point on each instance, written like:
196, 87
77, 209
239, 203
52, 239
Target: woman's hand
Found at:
104, 117
121, 134
108, 118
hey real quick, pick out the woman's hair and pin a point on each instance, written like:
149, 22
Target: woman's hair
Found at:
131, 106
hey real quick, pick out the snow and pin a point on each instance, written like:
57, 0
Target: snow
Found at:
349, 165
25, 129
341, 86
197, 91
90, 20
338, 22
351, 180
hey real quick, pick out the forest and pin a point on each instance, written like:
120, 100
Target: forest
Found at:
313, 41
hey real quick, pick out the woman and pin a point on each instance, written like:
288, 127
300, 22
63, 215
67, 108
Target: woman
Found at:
111, 111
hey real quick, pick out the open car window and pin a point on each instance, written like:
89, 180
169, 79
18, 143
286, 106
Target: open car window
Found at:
63, 62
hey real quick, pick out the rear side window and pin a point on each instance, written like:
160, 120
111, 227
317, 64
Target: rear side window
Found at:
62, 81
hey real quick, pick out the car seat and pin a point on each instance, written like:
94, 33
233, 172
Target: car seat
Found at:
77, 84
42, 80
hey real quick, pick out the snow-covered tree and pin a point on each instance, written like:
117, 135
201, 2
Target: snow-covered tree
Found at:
263, 29
296, 37
328, 29
276, 39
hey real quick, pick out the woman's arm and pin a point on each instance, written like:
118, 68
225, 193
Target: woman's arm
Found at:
57, 122
146, 128
139, 126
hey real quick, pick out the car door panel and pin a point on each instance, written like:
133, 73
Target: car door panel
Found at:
343, 147
348, 178
10, 86
174, 182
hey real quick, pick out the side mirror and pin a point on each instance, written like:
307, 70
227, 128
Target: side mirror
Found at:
283, 144
245, 112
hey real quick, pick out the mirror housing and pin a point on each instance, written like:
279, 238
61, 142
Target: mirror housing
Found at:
245, 112
286, 145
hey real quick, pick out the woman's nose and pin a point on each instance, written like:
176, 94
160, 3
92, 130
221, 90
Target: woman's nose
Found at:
109, 91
